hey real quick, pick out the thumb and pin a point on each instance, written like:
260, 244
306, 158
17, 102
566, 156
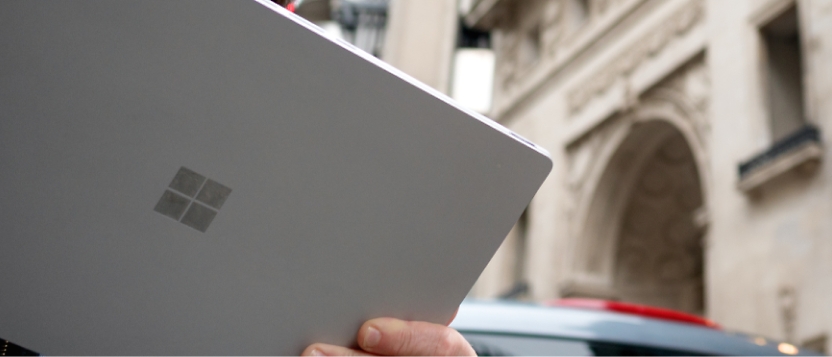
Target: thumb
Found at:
393, 337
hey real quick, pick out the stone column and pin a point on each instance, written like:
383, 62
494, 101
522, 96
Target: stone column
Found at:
421, 38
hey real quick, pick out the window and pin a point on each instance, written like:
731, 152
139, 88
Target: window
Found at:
795, 143
784, 74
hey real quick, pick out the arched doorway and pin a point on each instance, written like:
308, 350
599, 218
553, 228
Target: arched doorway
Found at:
642, 230
658, 255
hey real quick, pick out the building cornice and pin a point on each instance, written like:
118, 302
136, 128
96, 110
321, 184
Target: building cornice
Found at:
595, 35
619, 82
678, 23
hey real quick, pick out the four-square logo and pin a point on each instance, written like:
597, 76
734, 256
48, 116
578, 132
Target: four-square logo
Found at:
192, 199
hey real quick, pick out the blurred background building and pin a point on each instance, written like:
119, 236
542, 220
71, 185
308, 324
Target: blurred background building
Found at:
687, 137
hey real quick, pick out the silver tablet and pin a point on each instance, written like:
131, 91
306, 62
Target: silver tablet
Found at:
218, 177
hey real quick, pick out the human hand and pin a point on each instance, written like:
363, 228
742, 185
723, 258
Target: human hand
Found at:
393, 337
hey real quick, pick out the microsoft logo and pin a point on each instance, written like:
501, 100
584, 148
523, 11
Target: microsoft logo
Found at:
192, 199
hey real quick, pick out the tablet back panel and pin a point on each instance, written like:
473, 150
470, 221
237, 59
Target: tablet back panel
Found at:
216, 177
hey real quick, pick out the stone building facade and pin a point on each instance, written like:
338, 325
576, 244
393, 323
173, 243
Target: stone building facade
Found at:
688, 140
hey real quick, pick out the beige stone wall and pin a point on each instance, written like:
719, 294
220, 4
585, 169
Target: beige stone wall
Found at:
606, 89
420, 39
777, 242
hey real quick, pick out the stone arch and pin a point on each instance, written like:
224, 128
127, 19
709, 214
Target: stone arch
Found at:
657, 129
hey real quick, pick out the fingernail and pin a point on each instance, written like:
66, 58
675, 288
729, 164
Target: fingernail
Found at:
316, 352
372, 337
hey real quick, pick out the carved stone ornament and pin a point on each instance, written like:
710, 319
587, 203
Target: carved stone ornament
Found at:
552, 19
688, 90
685, 92
657, 38
552, 27
658, 257
522, 38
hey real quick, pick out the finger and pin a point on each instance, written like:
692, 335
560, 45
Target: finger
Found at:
320, 349
393, 337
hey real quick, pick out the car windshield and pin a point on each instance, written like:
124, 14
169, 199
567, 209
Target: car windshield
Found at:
521, 345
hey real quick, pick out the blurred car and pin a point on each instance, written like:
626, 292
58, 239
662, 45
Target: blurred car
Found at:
585, 327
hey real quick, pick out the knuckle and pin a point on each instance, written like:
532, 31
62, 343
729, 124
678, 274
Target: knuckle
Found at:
448, 343
405, 343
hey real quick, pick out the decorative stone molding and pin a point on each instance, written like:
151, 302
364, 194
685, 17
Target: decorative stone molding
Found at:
637, 210
675, 25
685, 92
601, 7
539, 30
681, 99
552, 26
587, 164
583, 155
561, 41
